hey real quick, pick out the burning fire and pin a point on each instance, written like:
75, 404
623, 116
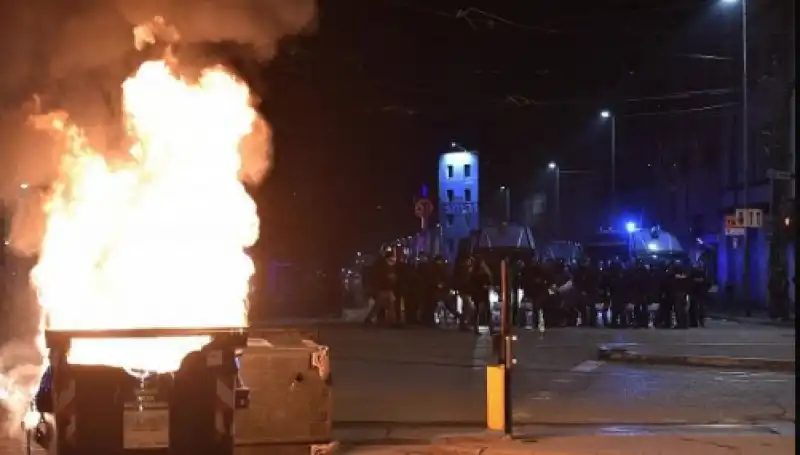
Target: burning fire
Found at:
157, 238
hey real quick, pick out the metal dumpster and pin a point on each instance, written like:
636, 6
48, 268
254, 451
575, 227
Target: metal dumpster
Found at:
290, 409
105, 410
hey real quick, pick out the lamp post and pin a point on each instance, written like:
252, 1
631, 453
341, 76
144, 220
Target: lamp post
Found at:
506, 203
557, 171
745, 157
613, 118
553, 167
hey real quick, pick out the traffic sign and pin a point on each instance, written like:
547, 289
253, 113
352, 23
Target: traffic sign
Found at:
774, 174
749, 218
734, 231
423, 208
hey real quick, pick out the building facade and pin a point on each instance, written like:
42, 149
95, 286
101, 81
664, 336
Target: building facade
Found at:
459, 213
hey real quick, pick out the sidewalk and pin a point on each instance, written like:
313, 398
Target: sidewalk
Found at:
593, 445
736, 313
756, 318
765, 357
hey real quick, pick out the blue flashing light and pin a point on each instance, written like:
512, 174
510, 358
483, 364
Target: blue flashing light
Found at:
652, 246
630, 226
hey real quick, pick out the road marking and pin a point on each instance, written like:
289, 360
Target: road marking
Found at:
587, 366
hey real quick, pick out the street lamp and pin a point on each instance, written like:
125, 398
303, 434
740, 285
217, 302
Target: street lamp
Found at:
745, 155
552, 166
506, 202
608, 114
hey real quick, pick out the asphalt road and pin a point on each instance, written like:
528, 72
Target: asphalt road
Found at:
427, 377
430, 381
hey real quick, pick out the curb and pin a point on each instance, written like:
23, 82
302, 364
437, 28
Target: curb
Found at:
618, 354
753, 321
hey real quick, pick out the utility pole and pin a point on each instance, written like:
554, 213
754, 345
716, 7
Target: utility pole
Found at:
558, 201
745, 166
613, 165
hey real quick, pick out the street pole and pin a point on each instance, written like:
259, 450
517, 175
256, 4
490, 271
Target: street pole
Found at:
745, 165
507, 358
613, 165
558, 200
507, 201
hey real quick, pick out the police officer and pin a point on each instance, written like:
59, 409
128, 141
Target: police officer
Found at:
534, 286
680, 286
434, 284
664, 278
641, 289
461, 285
698, 295
779, 294
587, 282
480, 282
385, 281
617, 282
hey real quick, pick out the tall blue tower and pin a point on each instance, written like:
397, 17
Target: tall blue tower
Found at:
458, 197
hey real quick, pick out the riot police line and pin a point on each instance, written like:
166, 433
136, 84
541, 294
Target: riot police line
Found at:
551, 293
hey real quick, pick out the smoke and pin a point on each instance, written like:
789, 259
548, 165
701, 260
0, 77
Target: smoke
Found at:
77, 53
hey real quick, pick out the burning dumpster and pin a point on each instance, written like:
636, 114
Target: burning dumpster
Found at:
100, 409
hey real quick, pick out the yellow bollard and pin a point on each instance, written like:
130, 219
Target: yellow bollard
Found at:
495, 397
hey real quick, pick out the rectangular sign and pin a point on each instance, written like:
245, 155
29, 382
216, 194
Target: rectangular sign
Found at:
146, 428
734, 231
460, 208
749, 218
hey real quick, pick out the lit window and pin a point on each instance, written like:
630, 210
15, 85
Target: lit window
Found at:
468, 195
467, 170
450, 195
449, 171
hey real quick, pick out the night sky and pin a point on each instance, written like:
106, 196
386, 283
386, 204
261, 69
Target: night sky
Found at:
362, 108
362, 105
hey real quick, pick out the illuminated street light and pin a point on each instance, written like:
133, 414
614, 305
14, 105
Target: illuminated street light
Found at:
608, 114
552, 166
745, 160
630, 226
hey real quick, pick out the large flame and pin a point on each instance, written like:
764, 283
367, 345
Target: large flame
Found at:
156, 238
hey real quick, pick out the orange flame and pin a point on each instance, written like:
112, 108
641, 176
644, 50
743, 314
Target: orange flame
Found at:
158, 238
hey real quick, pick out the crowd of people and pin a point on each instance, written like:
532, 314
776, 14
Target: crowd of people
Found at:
554, 294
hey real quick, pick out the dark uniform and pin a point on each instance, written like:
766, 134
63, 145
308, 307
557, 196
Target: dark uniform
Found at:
534, 286
434, 288
642, 289
480, 281
384, 281
680, 284
698, 296
663, 277
587, 282
619, 294
779, 294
